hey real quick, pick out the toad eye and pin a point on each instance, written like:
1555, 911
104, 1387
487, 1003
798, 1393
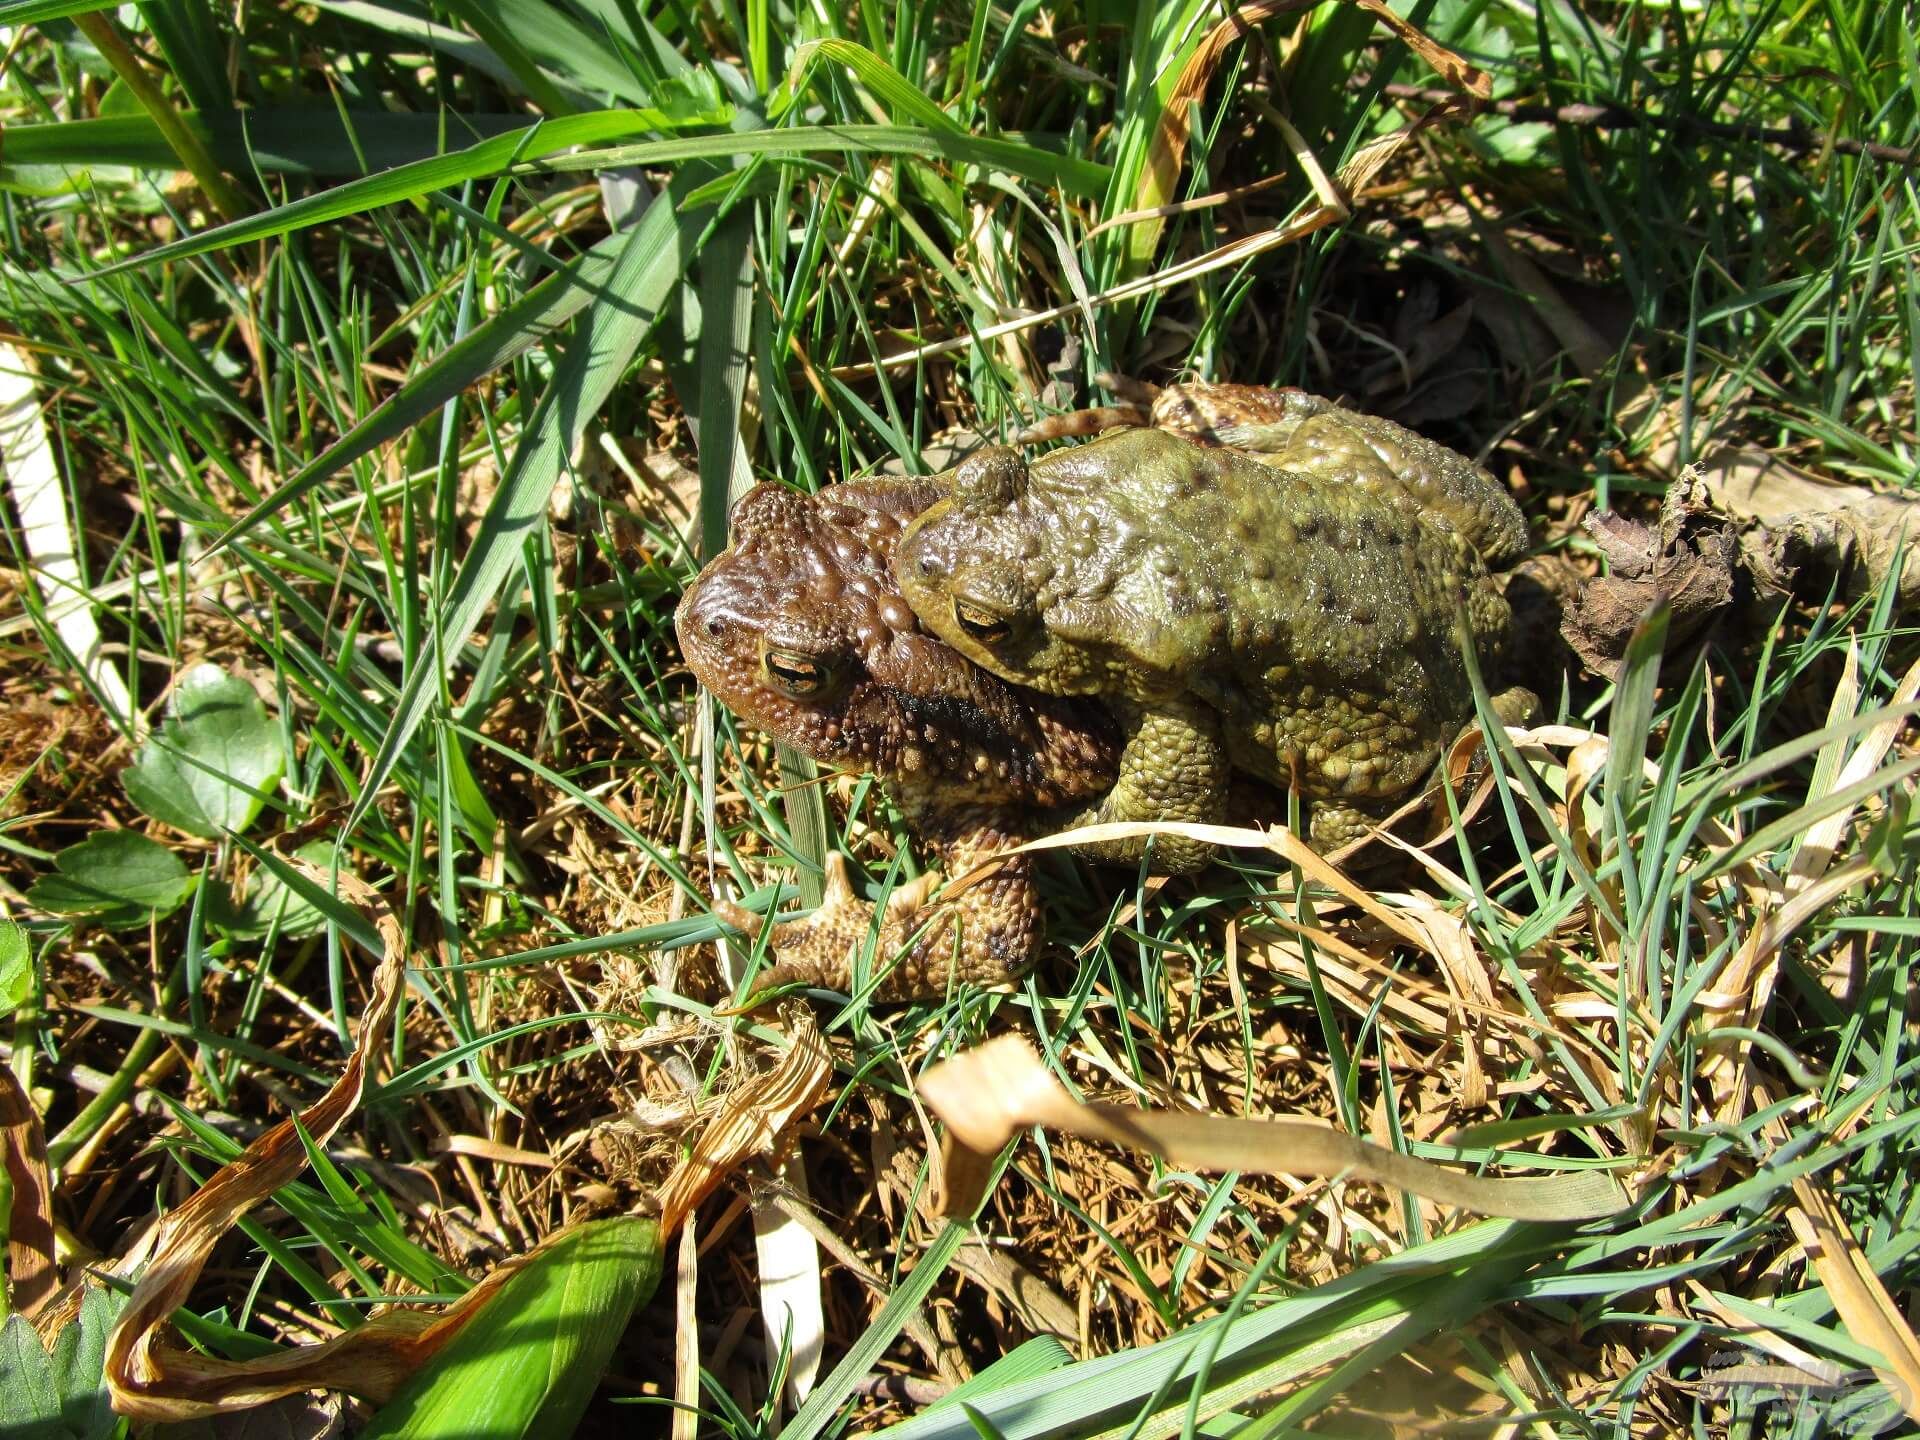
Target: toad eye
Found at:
797, 676
983, 625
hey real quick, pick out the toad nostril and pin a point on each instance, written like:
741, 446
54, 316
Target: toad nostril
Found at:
929, 566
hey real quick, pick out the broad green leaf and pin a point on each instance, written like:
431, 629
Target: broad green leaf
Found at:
648, 267
78, 1363
16, 967
351, 922
59, 1395
528, 1363
270, 904
117, 877
28, 1397
208, 770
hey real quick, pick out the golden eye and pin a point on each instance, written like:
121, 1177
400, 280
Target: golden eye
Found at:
982, 625
800, 677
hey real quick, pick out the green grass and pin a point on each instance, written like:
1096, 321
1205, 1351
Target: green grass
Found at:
380, 445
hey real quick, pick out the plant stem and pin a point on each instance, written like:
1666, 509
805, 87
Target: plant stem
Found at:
98, 27
146, 1046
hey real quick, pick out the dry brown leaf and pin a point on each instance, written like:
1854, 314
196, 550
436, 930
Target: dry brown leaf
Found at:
32, 1275
1686, 561
989, 1094
754, 1122
1450, 67
1742, 521
1796, 521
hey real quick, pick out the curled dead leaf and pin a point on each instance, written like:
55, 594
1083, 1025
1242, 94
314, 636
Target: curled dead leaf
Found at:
754, 1121
1798, 528
31, 1275
1685, 562
152, 1377
989, 1094
1742, 521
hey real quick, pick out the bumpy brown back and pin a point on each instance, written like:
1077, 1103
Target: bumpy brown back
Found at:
809, 581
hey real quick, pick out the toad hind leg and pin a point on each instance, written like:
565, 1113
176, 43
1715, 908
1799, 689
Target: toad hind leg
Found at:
984, 933
1174, 767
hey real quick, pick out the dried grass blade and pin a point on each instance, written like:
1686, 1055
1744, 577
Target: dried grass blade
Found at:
1859, 1298
1279, 840
1743, 992
989, 1094
754, 1122
154, 1380
686, 1334
790, 1288
1823, 838
32, 1275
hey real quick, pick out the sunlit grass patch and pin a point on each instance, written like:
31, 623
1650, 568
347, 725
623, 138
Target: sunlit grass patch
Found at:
417, 452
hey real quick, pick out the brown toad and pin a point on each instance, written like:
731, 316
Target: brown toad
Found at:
800, 630
1285, 600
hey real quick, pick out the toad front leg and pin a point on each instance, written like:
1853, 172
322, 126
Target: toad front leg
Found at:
983, 929
1174, 767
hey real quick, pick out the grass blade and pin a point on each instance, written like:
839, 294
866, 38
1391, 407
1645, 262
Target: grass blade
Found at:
649, 265
405, 182
528, 1362
481, 351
